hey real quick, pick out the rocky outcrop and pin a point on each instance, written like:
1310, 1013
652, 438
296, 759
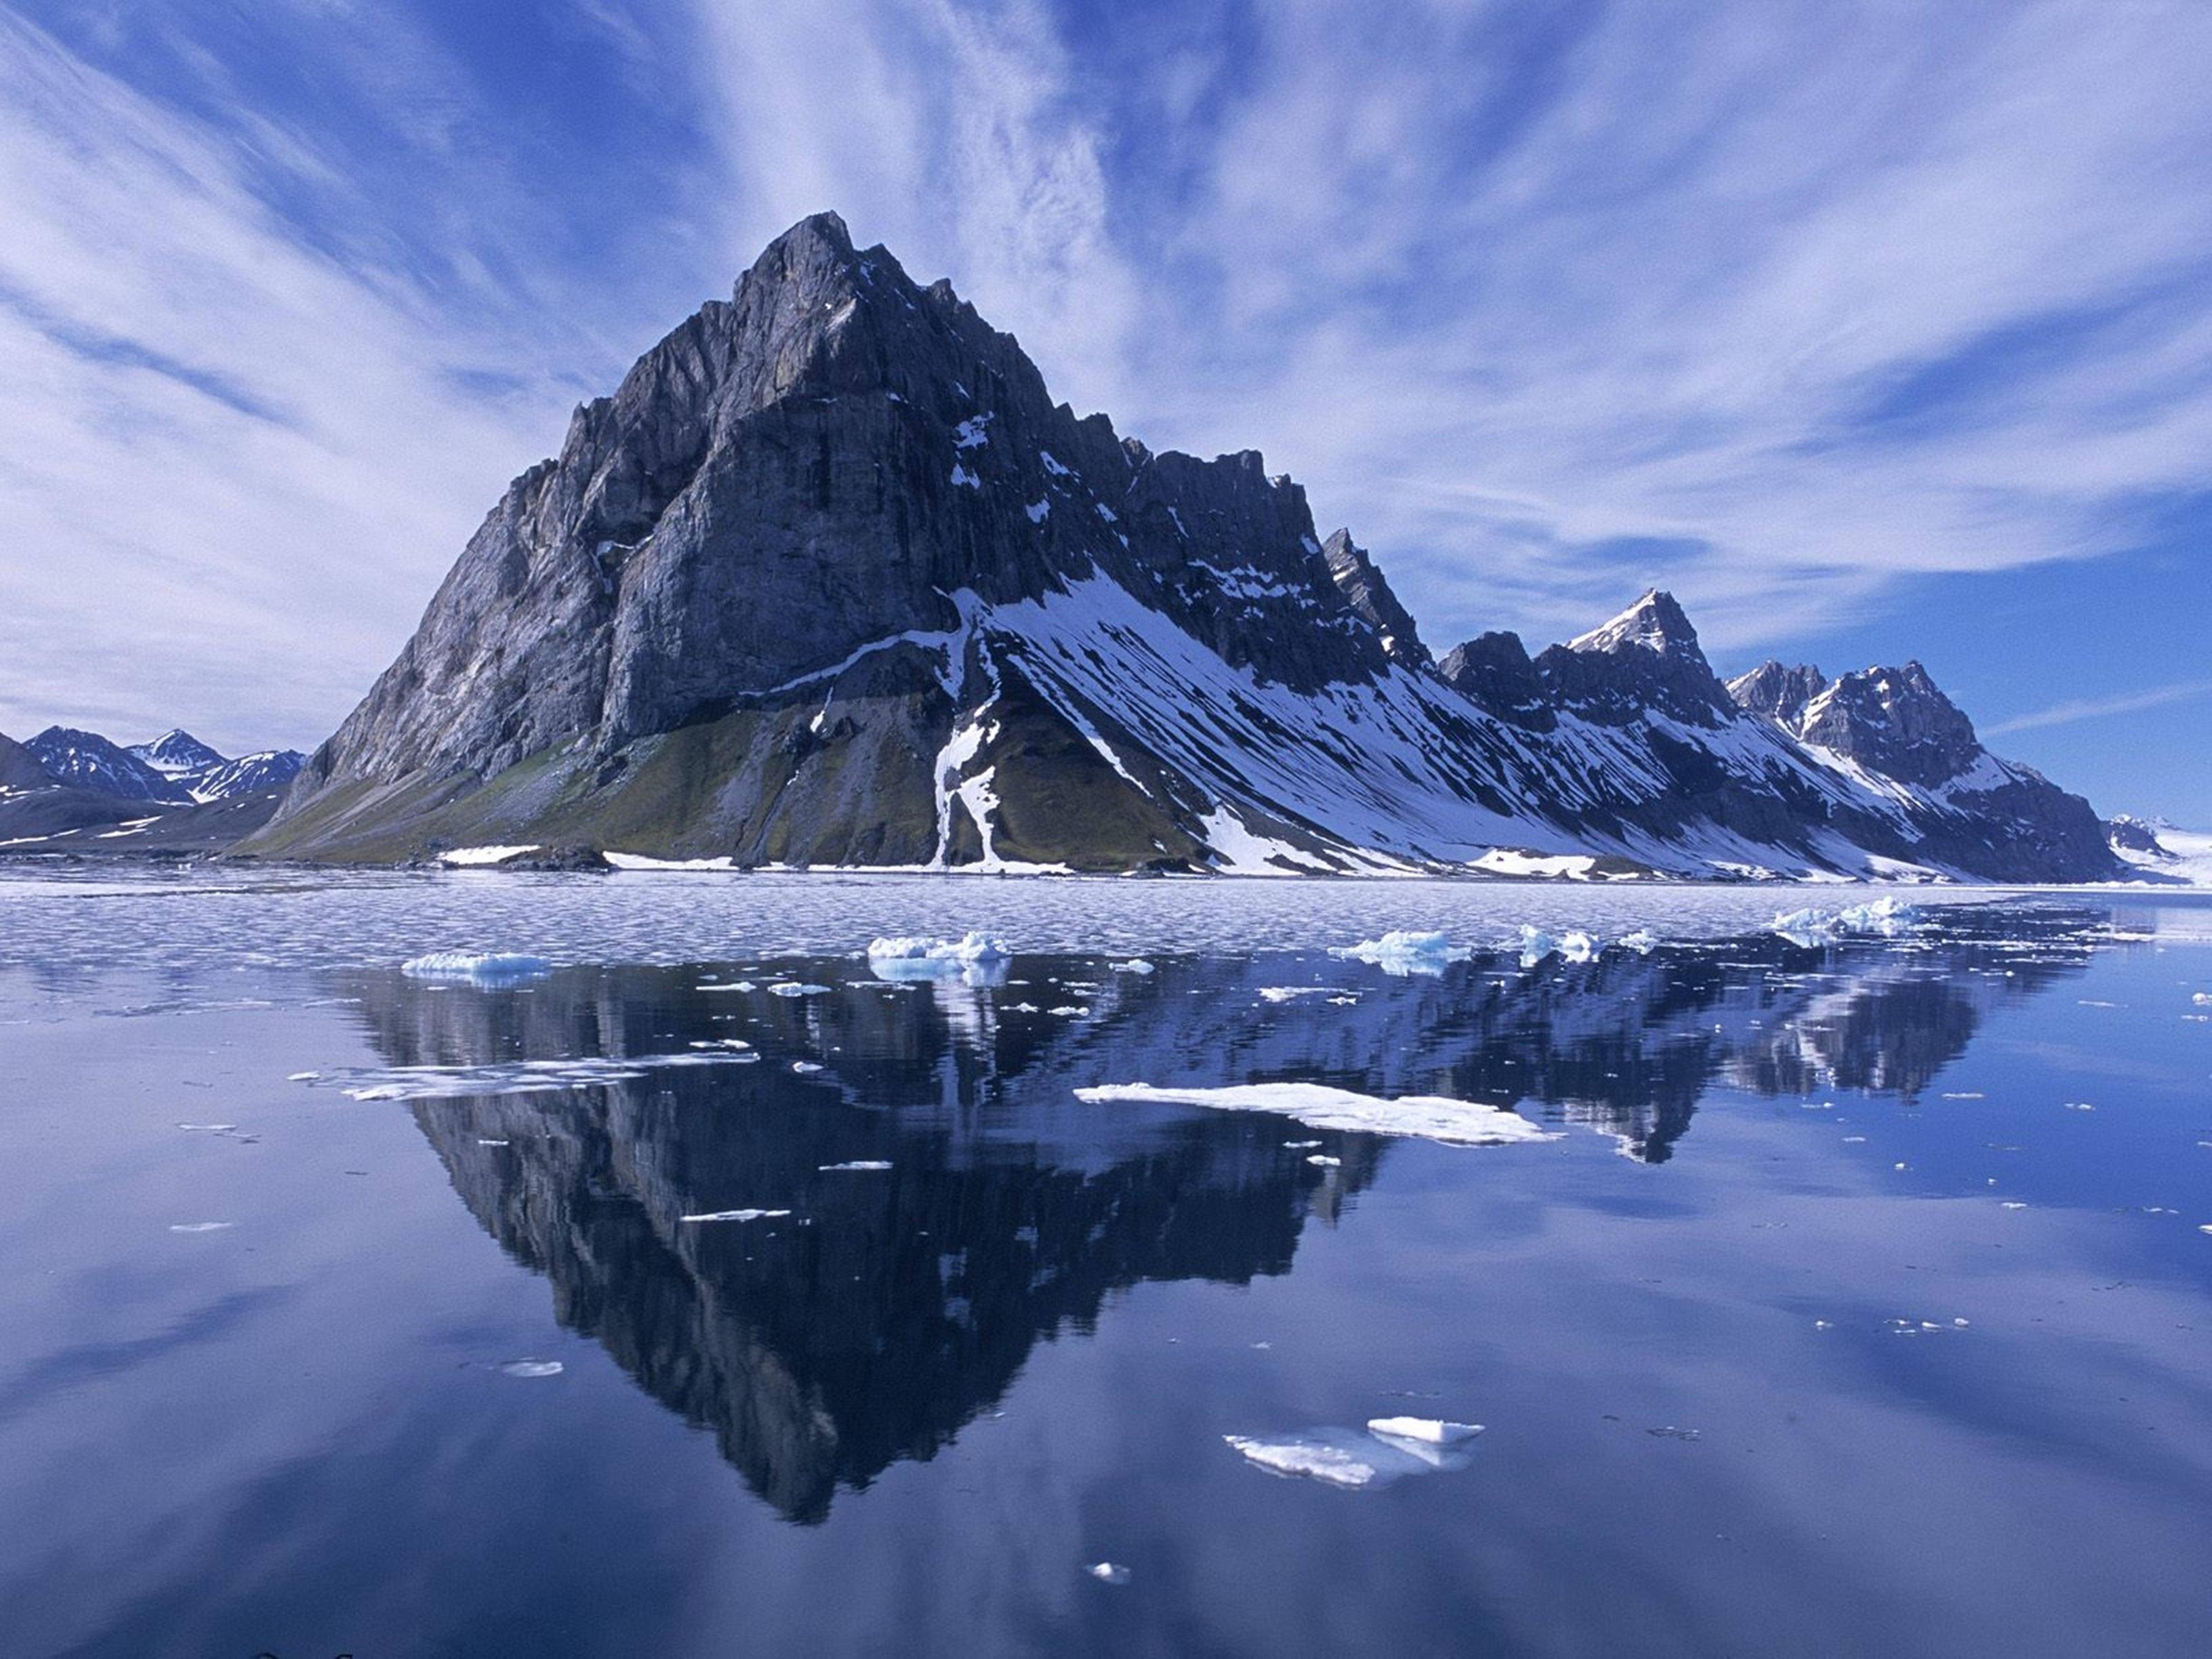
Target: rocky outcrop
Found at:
1779, 693
830, 579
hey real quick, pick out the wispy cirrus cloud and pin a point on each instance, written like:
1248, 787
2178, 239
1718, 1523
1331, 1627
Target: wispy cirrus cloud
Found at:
2090, 708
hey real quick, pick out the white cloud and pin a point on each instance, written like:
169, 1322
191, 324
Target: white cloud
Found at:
2086, 708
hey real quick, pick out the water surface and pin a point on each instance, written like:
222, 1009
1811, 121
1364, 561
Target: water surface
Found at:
1859, 1306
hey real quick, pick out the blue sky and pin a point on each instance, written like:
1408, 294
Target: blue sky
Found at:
1872, 331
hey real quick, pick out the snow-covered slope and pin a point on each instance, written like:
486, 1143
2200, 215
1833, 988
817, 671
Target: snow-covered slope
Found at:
830, 579
2155, 849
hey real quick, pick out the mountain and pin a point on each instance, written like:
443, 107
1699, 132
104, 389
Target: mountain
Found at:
830, 579
72, 791
177, 754
249, 774
85, 760
1894, 729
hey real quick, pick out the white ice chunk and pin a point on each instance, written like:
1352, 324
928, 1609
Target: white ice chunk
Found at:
200, 1226
1133, 965
1881, 917
1108, 1572
1434, 1431
485, 968
1435, 1117
855, 1165
532, 1368
1350, 1459
791, 987
977, 959
1403, 952
734, 1215
1304, 1457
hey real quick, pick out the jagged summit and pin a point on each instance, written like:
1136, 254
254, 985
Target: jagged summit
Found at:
1362, 585
1655, 623
1777, 692
177, 753
831, 578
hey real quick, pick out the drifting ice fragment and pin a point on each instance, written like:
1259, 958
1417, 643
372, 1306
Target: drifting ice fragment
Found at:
1643, 941
805, 1067
2203, 999
1348, 1458
857, 1164
1133, 965
1323, 1161
1401, 953
488, 967
532, 1368
1456, 1122
1312, 1458
218, 1226
1108, 1572
1432, 1430
735, 1215
1291, 992
977, 959
1883, 918
794, 988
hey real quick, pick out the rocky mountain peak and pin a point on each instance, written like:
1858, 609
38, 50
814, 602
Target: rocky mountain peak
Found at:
177, 753
1895, 720
1646, 659
86, 759
1370, 595
1777, 692
1655, 623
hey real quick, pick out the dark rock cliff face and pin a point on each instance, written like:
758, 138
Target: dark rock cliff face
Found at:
830, 579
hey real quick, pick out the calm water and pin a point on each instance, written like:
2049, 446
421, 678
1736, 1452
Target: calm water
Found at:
1862, 1305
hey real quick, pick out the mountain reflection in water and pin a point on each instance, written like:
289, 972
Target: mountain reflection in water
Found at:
892, 1307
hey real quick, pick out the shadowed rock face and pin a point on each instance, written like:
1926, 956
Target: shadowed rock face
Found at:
19, 766
830, 579
1493, 671
892, 1307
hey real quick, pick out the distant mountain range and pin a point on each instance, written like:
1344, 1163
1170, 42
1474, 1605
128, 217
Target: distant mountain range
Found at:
70, 788
830, 579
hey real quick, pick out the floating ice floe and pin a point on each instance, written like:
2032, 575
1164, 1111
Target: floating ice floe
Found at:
976, 958
1401, 952
1390, 1449
2201, 999
486, 968
791, 987
1535, 944
1291, 992
1429, 1430
734, 1215
1323, 1161
805, 1067
1434, 1117
1881, 917
525, 1076
1108, 1572
1643, 941
855, 1165
1133, 965
200, 1226
532, 1368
